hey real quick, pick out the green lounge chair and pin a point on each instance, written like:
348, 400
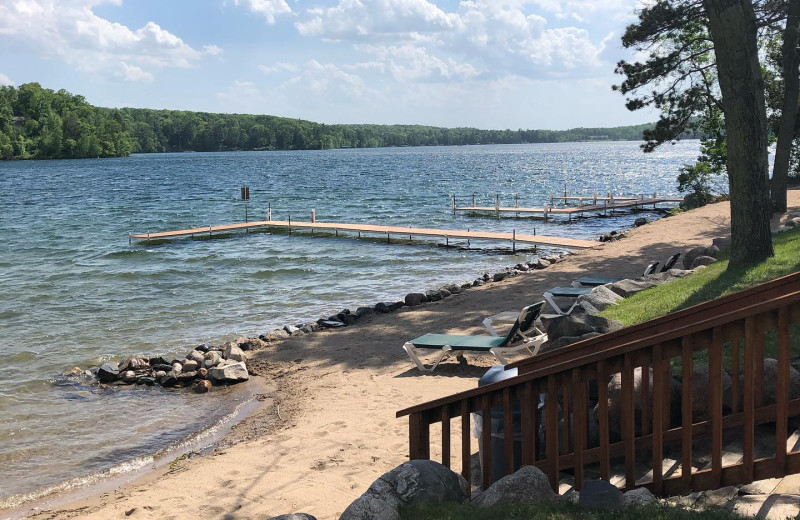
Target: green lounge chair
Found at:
523, 336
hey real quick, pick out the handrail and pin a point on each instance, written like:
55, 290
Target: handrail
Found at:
581, 357
548, 404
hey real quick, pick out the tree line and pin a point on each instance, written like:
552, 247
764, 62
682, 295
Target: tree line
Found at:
39, 123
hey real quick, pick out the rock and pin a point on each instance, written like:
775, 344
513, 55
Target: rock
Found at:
521, 267
293, 516
413, 482
364, 311
75, 371
275, 335
529, 485
690, 255
108, 372
572, 496
202, 373
541, 263
700, 389
169, 379
498, 277
382, 307
202, 386
203, 347
722, 242
466, 285
159, 360
211, 359
702, 260
252, 344
641, 221
771, 381
600, 494
134, 363
413, 299
186, 378
445, 293
397, 305
159, 374
146, 380
129, 376
638, 497
627, 288
330, 324
600, 297
565, 341
433, 296
486, 277
196, 355
291, 329
478, 282
311, 327
233, 352
190, 365
229, 372
177, 368
162, 368
579, 324
454, 289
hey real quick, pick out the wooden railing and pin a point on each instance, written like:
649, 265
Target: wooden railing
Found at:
636, 424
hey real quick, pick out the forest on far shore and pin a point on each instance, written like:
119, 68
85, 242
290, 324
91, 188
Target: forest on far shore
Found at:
39, 123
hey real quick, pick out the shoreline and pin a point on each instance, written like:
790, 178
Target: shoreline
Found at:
325, 374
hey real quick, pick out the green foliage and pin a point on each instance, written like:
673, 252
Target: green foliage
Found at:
39, 123
709, 283
558, 511
699, 179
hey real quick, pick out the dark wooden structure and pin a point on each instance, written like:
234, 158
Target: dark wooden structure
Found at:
727, 333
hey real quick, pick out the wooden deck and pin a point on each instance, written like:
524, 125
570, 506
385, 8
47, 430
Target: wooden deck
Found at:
388, 231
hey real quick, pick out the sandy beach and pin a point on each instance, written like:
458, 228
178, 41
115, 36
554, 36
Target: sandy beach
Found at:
328, 428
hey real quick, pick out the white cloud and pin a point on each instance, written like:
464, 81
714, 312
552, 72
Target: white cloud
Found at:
5, 80
134, 74
71, 31
269, 9
278, 67
411, 62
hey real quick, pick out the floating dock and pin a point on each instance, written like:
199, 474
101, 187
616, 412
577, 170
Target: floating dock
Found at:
596, 205
388, 231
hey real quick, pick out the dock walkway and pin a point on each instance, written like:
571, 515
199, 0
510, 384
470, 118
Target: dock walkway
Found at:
512, 237
546, 211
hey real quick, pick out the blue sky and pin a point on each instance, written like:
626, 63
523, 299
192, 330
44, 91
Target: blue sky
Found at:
482, 63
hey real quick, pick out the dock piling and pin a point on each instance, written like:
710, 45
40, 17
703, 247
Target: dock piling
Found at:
514, 240
269, 211
290, 224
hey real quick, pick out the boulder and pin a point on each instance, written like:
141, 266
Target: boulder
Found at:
134, 363
541, 263
211, 359
433, 296
615, 399
203, 347
521, 267
722, 242
499, 276
638, 497
578, 324
565, 341
700, 389
330, 324
445, 293
160, 360
627, 288
293, 516
312, 327
641, 221
396, 305
191, 365
75, 371
252, 344
600, 297
196, 355
275, 335
177, 368
233, 352
690, 255
413, 299
202, 386
229, 372
529, 485
382, 308
454, 289
291, 329
108, 372
146, 380
162, 368
169, 379
129, 376
413, 482
186, 378
702, 260
478, 282
771, 381
600, 494
364, 311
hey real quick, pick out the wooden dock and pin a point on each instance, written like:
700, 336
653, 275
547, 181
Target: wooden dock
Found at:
388, 231
608, 204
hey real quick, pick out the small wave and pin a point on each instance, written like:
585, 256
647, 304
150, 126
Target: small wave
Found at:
274, 273
127, 253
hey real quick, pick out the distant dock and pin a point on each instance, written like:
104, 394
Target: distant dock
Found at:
592, 204
388, 231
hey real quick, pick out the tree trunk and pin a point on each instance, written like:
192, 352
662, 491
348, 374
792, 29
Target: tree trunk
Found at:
791, 86
733, 30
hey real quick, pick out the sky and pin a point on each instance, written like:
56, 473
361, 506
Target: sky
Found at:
492, 64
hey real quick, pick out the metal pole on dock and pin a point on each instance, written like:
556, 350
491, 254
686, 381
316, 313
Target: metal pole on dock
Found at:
290, 224
514, 240
517, 203
497, 204
269, 211
551, 198
454, 204
473, 199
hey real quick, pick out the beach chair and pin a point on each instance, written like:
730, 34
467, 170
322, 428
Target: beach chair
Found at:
522, 336
593, 281
565, 292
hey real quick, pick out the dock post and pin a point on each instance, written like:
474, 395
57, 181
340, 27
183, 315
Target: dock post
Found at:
497, 204
594, 201
129, 239
388, 239
446, 241
269, 211
514, 240
290, 224
551, 197
565, 191
517, 197
454, 204
313, 215
336, 232
468, 244
473, 199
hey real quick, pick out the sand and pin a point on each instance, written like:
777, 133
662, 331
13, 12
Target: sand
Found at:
329, 428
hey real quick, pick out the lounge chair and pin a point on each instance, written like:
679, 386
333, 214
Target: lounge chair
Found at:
522, 336
565, 292
592, 281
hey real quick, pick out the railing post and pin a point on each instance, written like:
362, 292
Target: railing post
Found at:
782, 389
418, 437
715, 406
687, 360
659, 377
748, 401
551, 431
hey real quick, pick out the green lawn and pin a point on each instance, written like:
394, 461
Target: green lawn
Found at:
559, 512
709, 283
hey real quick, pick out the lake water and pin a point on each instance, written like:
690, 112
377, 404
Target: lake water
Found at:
73, 292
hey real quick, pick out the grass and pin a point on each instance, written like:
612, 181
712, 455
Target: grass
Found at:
712, 282
558, 512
